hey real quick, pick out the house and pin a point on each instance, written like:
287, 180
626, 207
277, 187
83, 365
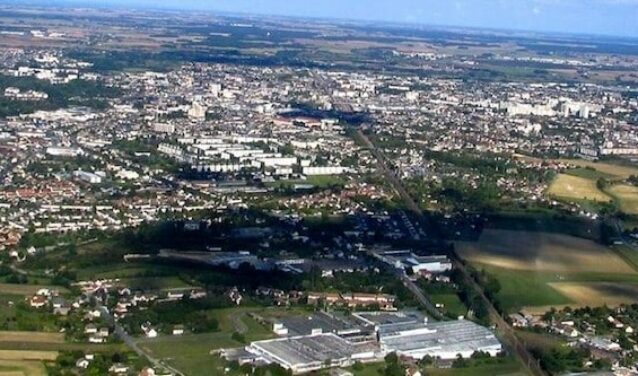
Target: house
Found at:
518, 320
147, 372
175, 295
82, 363
118, 368
103, 332
38, 301
148, 330
178, 330
61, 311
90, 329
197, 294
151, 333
96, 339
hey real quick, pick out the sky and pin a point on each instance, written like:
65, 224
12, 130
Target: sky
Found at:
606, 17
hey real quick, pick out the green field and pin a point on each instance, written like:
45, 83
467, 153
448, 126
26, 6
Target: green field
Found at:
539, 270
626, 197
317, 181
589, 173
507, 367
610, 169
191, 353
22, 368
576, 188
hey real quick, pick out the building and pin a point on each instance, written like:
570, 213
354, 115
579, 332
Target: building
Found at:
404, 259
310, 353
197, 112
444, 340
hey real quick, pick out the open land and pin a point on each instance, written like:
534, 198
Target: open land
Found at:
576, 188
541, 269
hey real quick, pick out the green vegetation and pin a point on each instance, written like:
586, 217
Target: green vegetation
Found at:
191, 353
446, 295
534, 269
500, 366
76, 92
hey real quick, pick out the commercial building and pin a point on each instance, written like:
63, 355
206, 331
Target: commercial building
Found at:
310, 353
405, 259
444, 340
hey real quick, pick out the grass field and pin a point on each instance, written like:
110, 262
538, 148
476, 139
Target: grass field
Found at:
589, 173
537, 251
14, 289
626, 196
159, 283
28, 355
452, 305
507, 367
617, 171
21, 368
571, 187
539, 270
37, 337
191, 353
598, 293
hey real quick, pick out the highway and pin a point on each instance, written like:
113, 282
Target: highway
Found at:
504, 330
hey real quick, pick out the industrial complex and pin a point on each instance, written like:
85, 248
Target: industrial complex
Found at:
327, 340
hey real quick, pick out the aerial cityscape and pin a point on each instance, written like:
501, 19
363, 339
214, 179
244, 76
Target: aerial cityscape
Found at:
191, 189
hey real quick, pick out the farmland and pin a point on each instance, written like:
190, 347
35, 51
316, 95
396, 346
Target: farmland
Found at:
598, 293
626, 196
540, 269
539, 251
21, 368
570, 187
610, 169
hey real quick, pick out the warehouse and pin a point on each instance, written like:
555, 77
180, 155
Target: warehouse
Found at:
310, 353
445, 340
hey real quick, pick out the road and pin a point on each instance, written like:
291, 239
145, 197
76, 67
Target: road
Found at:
420, 296
504, 330
130, 342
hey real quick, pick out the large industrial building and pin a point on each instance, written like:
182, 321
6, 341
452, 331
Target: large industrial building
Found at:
444, 340
312, 352
405, 259
321, 340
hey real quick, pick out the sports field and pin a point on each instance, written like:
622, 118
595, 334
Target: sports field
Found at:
538, 269
572, 187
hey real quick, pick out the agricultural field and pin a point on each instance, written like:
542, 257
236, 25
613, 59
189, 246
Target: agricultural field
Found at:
626, 197
570, 187
597, 294
537, 270
21, 368
615, 170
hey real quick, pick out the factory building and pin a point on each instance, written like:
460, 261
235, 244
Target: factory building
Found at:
444, 340
310, 353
